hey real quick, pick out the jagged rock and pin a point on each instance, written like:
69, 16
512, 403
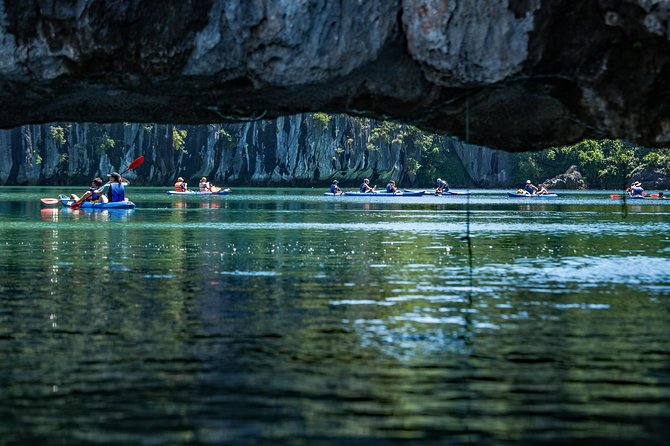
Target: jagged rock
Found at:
652, 179
571, 179
511, 74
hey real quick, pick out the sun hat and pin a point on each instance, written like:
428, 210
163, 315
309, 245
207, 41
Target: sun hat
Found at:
335, 181
180, 179
527, 181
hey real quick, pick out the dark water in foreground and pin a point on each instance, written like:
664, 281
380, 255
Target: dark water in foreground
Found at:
286, 317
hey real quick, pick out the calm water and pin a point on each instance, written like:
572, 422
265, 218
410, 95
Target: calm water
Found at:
286, 317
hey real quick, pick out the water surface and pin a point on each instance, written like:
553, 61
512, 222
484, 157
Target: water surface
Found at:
284, 317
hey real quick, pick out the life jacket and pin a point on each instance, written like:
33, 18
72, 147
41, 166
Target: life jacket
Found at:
637, 190
180, 186
363, 189
94, 196
334, 189
116, 192
390, 189
529, 189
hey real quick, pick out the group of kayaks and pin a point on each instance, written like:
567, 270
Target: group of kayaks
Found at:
68, 202
404, 193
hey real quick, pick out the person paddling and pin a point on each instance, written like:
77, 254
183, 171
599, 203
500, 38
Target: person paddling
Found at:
390, 188
334, 188
529, 188
93, 194
181, 185
365, 187
636, 188
441, 186
206, 186
116, 190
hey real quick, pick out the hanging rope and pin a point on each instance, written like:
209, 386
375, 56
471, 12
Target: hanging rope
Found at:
467, 237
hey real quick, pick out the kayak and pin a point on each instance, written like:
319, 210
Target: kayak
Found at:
189, 193
515, 195
90, 205
444, 194
638, 197
384, 194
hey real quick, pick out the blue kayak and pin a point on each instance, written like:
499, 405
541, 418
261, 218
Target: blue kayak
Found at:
515, 195
448, 193
90, 205
196, 193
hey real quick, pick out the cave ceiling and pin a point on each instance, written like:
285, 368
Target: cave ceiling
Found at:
510, 74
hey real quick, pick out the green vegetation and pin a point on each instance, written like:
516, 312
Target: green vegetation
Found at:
57, 133
179, 139
103, 143
322, 120
604, 164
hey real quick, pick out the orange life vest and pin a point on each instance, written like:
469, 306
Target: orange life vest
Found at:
180, 186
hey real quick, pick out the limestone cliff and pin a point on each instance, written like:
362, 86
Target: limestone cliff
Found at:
300, 149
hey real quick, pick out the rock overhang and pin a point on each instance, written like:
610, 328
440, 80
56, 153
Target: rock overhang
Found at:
510, 74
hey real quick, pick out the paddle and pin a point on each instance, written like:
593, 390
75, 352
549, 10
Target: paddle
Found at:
50, 200
132, 166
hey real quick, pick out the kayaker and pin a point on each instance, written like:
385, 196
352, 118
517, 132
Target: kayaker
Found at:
334, 188
636, 188
116, 190
365, 187
390, 188
180, 185
441, 186
93, 194
204, 185
529, 188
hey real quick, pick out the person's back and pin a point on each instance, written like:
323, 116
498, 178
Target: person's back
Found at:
116, 190
637, 189
180, 185
529, 188
204, 185
445, 186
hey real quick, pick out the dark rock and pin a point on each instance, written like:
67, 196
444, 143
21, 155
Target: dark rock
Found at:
516, 75
571, 179
652, 179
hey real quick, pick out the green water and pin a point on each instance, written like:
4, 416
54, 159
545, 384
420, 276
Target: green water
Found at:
287, 317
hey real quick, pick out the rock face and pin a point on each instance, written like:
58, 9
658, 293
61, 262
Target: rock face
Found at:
511, 74
652, 179
292, 150
571, 179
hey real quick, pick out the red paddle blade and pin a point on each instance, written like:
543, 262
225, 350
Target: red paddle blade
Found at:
136, 162
50, 200
615, 196
75, 205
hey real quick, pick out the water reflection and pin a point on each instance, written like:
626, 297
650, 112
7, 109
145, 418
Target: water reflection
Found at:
270, 321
